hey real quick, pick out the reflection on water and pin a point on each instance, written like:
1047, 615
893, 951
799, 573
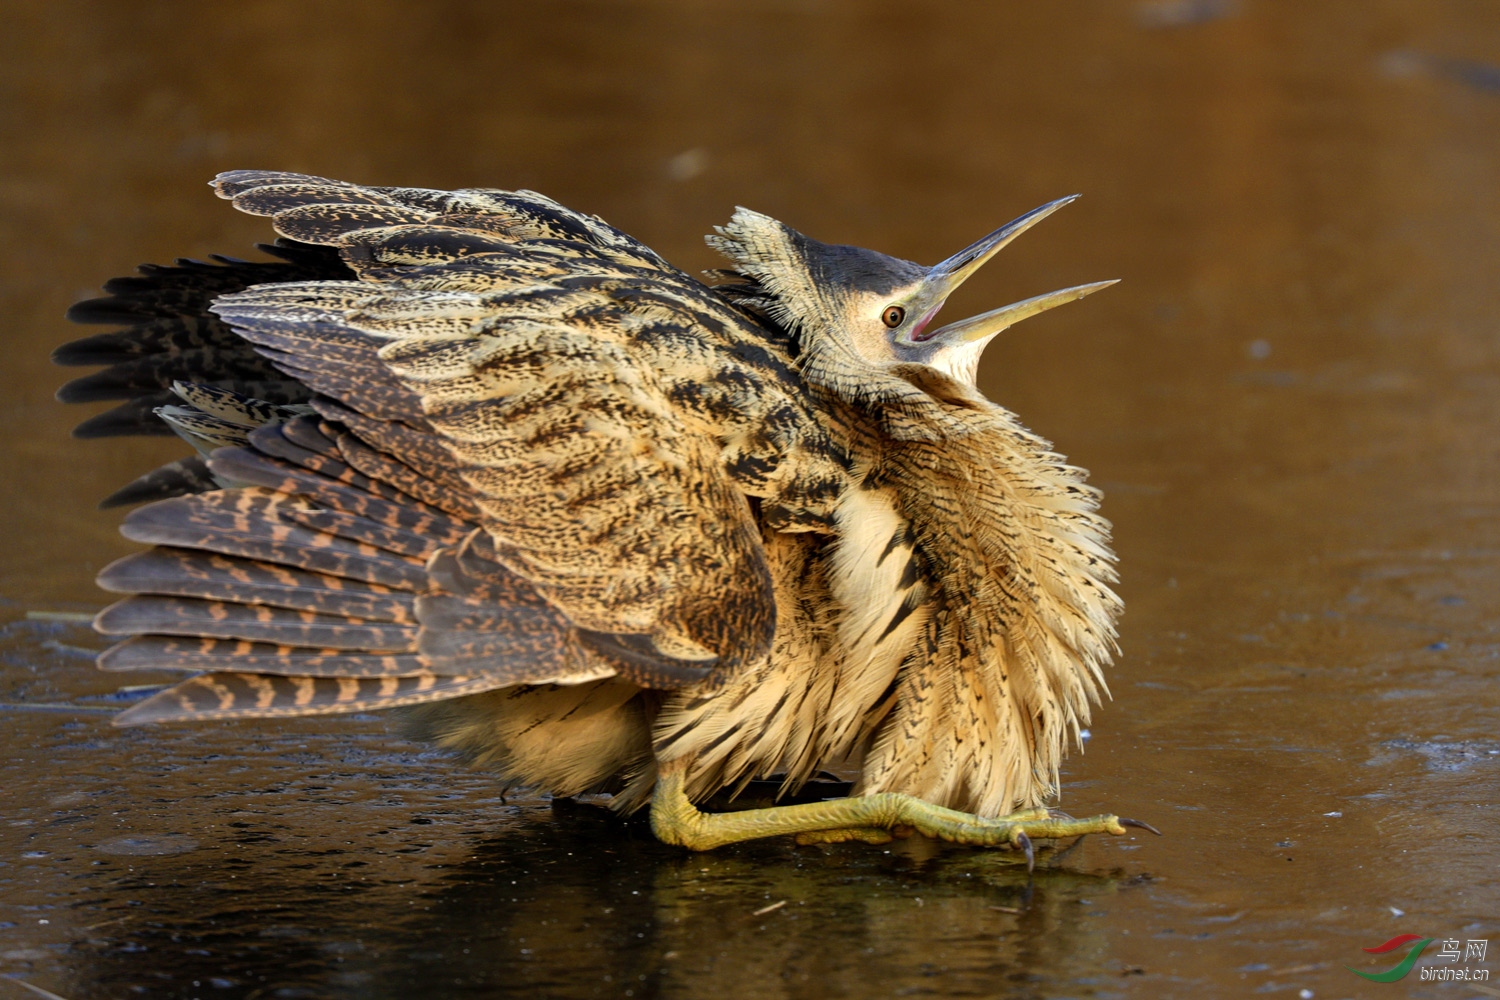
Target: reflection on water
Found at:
343, 861
571, 908
1290, 401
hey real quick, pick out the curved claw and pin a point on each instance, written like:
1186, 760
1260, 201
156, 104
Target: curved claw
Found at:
1058, 814
1139, 825
1024, 843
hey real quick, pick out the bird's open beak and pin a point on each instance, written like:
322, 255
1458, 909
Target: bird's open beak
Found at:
943, 279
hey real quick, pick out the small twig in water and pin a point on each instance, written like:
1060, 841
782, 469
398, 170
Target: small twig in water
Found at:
769, 909
27, 986
106, 923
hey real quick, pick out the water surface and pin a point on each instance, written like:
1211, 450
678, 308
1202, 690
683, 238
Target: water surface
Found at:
1292, 402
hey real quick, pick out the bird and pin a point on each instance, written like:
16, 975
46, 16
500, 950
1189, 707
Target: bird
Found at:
600, 526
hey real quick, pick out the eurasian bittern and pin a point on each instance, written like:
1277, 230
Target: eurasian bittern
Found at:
612, 529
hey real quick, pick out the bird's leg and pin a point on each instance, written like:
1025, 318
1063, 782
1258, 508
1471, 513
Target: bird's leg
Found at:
871, 818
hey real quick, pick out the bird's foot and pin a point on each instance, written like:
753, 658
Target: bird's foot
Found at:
1018, 830
867, 834
875, 819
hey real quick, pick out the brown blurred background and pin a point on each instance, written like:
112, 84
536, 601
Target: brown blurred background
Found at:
1290, 401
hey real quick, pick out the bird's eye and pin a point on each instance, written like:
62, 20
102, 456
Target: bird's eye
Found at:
893, 316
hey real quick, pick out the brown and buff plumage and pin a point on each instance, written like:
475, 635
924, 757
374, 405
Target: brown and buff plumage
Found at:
474, 452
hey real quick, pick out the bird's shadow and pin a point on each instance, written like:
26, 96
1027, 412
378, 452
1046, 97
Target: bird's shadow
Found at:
577, 902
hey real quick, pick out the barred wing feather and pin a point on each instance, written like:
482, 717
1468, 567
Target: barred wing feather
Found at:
536, 453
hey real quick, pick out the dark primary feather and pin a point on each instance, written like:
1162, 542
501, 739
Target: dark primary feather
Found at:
175, 479
169, 335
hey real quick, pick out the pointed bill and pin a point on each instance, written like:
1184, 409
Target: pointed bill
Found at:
988, 324
951, 273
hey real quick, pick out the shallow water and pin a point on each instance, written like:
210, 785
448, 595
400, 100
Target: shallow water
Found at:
1291, 403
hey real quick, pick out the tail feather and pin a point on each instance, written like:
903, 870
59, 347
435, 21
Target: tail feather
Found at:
234, 183
138, 415
199, 653
211, 417
240, 695
203, 431
247, 523
149, 614
268, 199
306, 593
326, 223
171, 572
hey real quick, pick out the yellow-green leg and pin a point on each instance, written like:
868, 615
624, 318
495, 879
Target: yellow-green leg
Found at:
870, 818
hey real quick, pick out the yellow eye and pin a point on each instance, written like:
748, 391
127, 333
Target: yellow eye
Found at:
893, 316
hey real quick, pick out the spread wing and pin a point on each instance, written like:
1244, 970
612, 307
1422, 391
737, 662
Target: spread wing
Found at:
620, 434
610, 415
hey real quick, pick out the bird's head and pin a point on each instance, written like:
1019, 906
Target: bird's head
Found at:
878, 309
